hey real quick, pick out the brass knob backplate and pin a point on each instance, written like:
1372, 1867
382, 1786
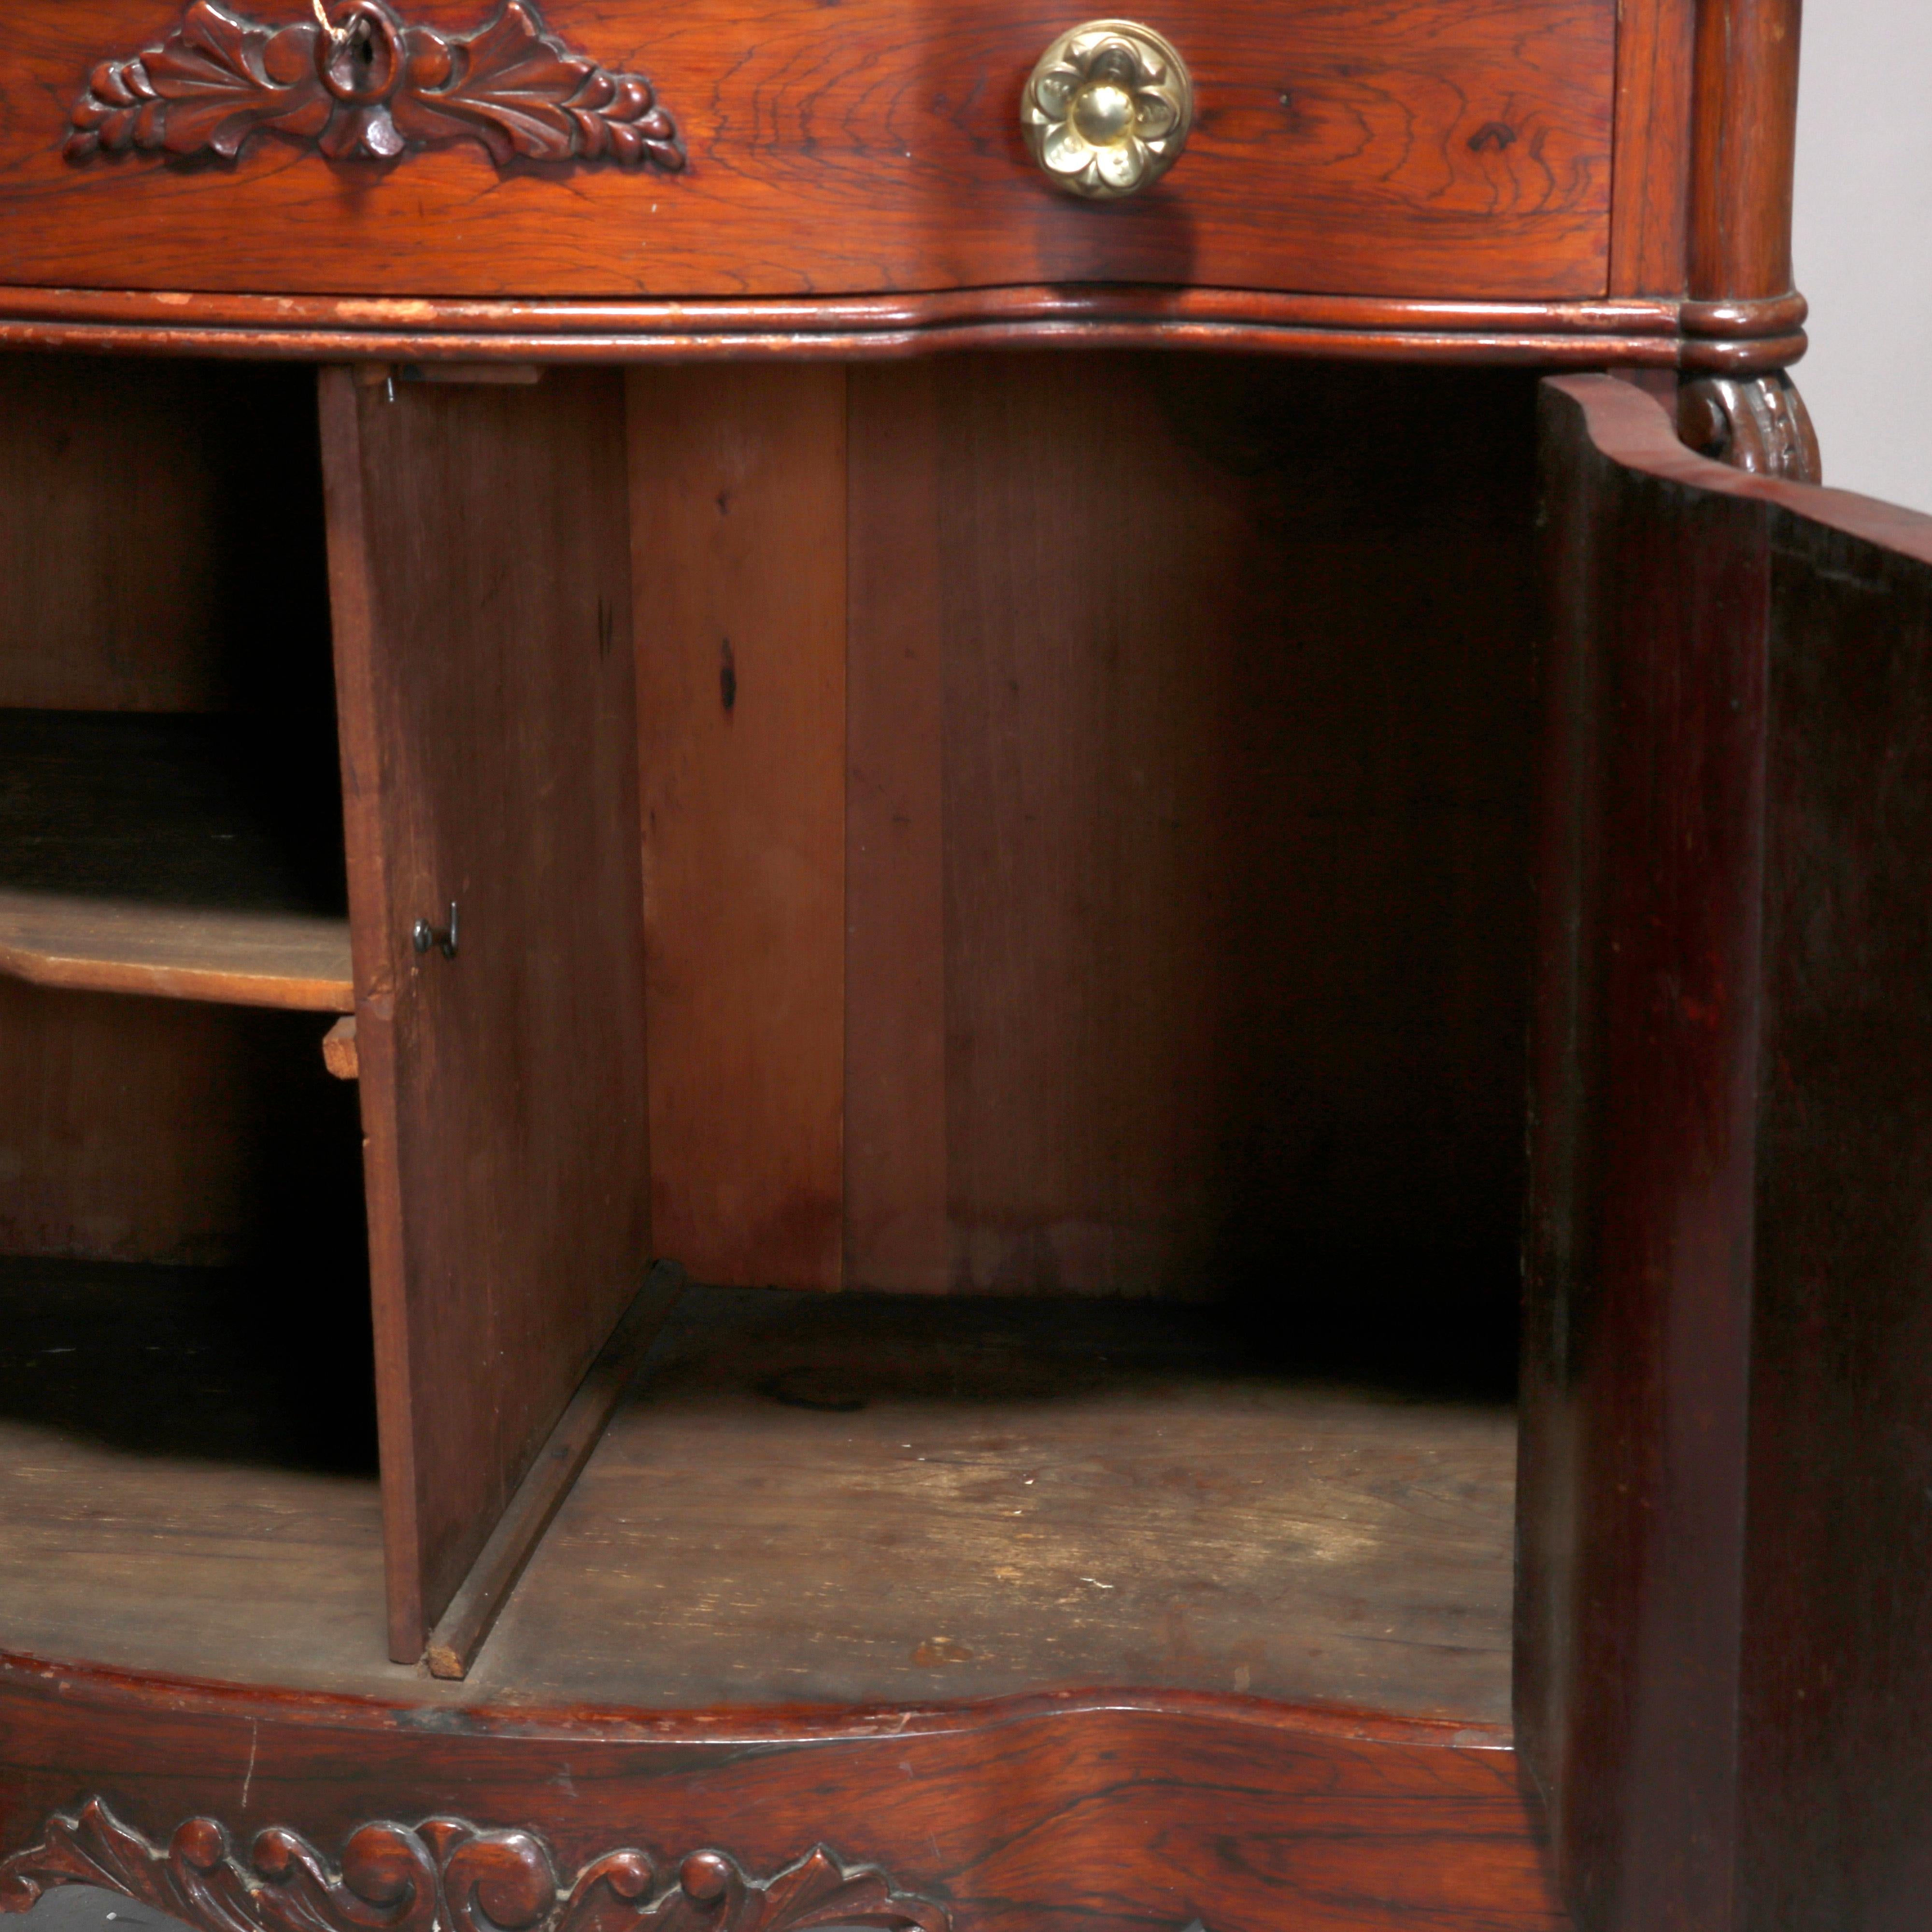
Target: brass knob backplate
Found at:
1108, 109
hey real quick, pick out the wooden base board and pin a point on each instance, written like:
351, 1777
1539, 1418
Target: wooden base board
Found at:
1110, 1811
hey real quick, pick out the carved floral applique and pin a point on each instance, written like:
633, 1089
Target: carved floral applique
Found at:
369, 87
444, 1874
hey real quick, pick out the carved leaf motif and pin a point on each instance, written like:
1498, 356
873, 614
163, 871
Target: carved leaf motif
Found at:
818, 1890
445, 1873
221, 78
92, 1848
209, 87
519, 91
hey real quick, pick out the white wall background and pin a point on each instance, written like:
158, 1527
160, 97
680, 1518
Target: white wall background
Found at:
1862, 241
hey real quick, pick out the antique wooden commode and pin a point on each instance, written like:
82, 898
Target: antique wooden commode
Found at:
1154, 693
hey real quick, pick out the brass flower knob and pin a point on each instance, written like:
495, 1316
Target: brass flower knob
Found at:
1108, 108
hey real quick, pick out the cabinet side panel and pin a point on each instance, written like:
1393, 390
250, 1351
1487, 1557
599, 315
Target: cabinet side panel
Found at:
480, 557
1838, 1616
738, 531
1635, 1377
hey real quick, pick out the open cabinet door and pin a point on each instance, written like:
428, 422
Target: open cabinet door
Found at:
479, 568
1724, 1643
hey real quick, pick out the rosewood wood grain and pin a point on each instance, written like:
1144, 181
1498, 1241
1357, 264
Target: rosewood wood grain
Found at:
1557, 351
1745, 134
1705, 134
1651, 171
1722, 1686
664, 333
465, 1627
1743, 318
1040, 1815
738, 546
1445, 147
1744, 338
481, 593
426, 332
366, 86
393, 318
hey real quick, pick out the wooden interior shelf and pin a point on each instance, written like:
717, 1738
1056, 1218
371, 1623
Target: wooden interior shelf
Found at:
837, 1501
146, 853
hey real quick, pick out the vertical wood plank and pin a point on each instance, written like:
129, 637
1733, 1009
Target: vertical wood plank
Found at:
1189, 812
1745, 148
1650, 209
1636, 1386
1097, 571
1836, 1781
1723, 1682
739, 547
360, 726
480, 572
897, 1232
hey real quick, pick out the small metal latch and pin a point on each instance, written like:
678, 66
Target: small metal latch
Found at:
443, 937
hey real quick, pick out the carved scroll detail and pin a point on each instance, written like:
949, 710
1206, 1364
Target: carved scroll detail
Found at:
370, 88
445, 1875
1754, 423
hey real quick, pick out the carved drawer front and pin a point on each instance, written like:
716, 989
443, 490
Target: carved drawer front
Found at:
629, 148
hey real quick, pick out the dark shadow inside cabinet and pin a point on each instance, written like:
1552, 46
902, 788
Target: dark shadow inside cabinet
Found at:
179, 1162
1084, 806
